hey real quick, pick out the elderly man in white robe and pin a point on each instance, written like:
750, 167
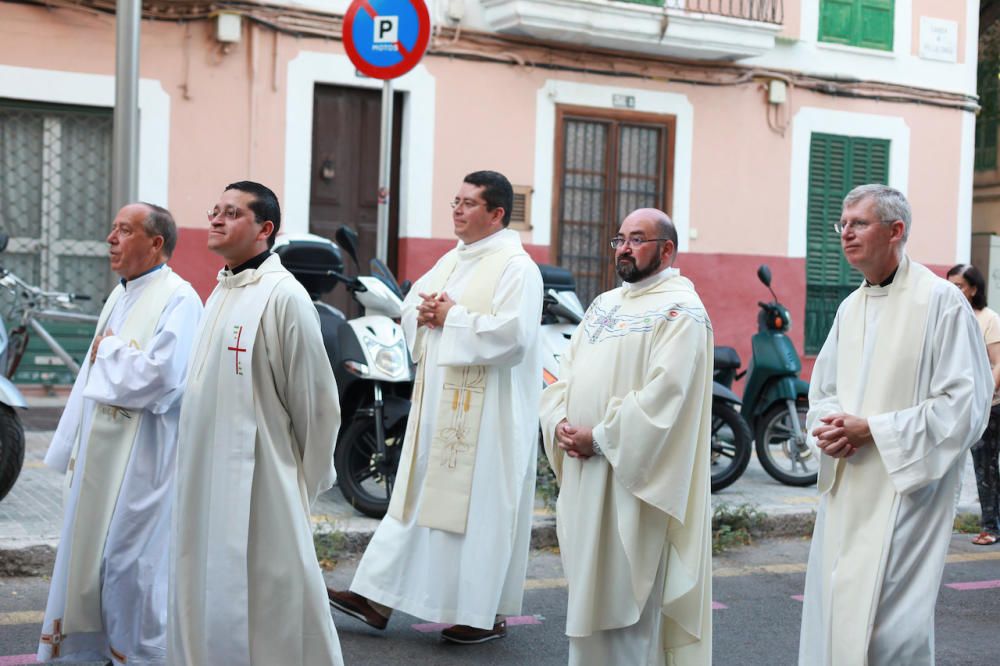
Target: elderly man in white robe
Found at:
259, 422
116, 443
627, 429
453, 547
900, 390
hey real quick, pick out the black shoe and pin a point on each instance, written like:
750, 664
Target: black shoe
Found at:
466, 635
357, 607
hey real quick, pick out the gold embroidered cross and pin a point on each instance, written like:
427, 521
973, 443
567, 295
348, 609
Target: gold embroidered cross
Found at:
473, 381
54, 639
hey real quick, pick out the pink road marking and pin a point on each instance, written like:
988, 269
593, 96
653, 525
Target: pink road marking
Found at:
17, 660
975, 585
798, 597
428, 628
717, 606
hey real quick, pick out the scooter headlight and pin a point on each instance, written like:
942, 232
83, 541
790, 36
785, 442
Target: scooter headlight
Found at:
390, 360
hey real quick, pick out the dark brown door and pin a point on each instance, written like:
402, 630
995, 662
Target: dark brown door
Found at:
344, 187
608, 164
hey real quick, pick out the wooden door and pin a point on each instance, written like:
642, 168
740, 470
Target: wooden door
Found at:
344, 180
609, 163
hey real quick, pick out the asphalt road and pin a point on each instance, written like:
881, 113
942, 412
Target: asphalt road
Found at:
758, 624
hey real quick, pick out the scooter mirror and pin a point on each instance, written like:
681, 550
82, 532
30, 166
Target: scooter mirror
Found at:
347, 238
764, 275
3, 241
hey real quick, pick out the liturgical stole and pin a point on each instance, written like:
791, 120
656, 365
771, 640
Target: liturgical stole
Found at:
109, 448
862, 502
447, 486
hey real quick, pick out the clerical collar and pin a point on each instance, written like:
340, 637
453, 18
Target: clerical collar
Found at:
251, 263
651, 280
886, 282
151, 270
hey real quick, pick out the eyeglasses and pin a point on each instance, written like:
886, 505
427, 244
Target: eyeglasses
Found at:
229, 212
633, 243
465, 203
857, 225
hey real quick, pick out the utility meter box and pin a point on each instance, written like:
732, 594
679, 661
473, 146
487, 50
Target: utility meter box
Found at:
986, 257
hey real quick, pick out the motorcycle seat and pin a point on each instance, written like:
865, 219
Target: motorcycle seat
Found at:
726, 358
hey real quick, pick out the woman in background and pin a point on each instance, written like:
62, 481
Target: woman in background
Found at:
986, 451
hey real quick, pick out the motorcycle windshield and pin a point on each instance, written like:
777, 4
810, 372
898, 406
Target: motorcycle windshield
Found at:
382, 272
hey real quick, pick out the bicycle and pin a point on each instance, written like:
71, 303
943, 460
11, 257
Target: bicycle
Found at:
27, 305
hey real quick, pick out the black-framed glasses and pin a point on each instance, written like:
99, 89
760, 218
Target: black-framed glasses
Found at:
634, 243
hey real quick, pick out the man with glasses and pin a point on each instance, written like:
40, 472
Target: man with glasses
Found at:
627, 430
258, 427
899, 392
453, 547
116, 444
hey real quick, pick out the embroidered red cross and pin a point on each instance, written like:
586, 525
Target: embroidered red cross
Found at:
55, 638
238, 349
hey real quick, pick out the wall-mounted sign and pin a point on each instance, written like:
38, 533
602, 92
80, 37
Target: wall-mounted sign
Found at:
938, 39
623, 101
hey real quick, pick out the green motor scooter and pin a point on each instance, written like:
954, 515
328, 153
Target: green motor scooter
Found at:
775, 398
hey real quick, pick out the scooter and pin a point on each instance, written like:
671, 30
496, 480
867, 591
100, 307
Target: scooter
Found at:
562, 312
775, 399
370, 362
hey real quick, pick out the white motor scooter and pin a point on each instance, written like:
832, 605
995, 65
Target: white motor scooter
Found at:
562, 312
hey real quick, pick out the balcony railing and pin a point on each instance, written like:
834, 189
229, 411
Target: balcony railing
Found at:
765, 11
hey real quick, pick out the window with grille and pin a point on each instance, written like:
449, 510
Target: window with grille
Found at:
864, 23
55, 204
837, 164
988, 87
609, 164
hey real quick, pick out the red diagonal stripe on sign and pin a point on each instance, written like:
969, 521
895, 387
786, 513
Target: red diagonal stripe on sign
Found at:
402, 49
368, 8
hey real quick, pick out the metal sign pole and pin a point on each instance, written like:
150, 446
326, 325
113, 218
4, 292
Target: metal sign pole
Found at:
125, 146
384, 174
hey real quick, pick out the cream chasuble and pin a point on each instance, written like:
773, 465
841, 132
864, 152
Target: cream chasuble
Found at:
456, 552
115, 442
909, 358
258, 425
634, 524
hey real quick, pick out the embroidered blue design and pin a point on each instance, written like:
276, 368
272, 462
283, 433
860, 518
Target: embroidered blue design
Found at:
600, 323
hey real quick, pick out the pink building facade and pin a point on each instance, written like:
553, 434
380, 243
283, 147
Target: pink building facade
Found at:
747, 129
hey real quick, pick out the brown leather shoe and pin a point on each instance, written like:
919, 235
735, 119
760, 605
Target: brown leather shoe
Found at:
466, 635
357, 607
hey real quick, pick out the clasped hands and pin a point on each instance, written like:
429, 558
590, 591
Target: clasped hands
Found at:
841, 435
433, 310
575, 441
97, 343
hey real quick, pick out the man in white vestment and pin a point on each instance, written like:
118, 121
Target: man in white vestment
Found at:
627, 429
116, 444
259, 422
453, 547
901, 389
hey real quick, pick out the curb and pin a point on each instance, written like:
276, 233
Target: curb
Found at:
37, 560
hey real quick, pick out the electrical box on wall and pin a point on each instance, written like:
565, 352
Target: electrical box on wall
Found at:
228, 27
986, 257
777, 92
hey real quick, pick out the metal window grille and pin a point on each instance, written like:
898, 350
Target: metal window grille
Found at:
55, 204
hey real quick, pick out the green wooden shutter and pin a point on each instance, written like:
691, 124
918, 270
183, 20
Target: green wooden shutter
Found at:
836, 23
837, 164
864, 23
875, 24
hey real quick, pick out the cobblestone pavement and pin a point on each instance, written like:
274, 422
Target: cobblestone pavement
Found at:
31, 514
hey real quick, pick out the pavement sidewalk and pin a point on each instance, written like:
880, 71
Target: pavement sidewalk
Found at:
31, 514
